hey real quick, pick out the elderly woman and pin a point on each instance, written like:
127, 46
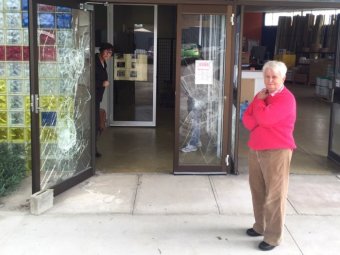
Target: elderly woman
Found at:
270, 118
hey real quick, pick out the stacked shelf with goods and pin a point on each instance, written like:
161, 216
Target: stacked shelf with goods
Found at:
323, 88
311, 42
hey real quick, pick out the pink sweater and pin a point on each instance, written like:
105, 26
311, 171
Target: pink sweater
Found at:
271, 121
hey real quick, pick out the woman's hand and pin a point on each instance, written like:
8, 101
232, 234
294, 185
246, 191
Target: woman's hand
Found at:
263, 94
106, 84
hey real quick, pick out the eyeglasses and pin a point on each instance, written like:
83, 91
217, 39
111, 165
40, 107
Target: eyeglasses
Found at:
109, 51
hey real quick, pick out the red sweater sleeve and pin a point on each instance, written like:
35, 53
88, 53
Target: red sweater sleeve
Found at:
248, 119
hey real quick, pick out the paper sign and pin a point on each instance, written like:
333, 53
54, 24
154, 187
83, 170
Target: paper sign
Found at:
204, 72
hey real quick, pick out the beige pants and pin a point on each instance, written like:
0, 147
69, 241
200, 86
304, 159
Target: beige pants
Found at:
268, 179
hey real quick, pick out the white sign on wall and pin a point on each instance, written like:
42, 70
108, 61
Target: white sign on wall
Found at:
204, 72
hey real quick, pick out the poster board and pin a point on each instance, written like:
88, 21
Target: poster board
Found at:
204, 72
130, 67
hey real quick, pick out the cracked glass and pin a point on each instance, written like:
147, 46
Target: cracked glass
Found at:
202, 94
64, 93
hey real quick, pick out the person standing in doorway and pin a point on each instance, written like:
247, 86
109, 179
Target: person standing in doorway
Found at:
270, 118
102, 81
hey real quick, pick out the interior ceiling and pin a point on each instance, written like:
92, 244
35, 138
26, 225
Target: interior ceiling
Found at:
255, 8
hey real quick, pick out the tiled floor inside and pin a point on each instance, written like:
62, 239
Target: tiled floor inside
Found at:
136, 149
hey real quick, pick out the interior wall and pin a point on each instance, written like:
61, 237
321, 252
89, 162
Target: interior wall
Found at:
268, 39
167, 18
100, 20
253, 22
166, 21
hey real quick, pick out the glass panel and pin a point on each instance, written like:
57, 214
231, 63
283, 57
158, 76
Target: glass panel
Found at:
202, 82
64, 93
133, 63
335, 142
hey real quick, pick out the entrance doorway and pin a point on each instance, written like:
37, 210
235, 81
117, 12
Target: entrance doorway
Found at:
133, 31
310, 65
137, 141
147, 149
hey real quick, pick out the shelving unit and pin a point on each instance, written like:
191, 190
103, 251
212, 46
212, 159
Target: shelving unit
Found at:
316, 64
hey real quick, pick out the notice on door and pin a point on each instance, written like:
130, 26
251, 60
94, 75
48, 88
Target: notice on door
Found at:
204, 72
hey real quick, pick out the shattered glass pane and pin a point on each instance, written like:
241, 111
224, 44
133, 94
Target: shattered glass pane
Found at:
48, 70
202, 94
64, 38
65, 101
49, 86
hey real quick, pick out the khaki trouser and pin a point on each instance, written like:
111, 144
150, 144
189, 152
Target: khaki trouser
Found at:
268, 179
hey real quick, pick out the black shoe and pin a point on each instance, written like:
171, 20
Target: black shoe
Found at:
98, 155
252, 232
263, 246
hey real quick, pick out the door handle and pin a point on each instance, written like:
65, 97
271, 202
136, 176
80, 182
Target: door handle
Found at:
35, 103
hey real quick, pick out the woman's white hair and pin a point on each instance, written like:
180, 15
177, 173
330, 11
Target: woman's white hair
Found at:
277, 66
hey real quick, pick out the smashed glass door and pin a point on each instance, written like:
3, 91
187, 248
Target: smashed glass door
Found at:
61, 96
200, 91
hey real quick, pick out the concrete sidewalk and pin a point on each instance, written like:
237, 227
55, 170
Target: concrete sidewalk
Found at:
166, 214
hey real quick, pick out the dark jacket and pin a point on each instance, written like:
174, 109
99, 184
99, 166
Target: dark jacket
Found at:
100, 76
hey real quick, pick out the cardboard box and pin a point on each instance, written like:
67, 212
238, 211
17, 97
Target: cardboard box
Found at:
319, 67
247, 90
300, 78
245, 57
